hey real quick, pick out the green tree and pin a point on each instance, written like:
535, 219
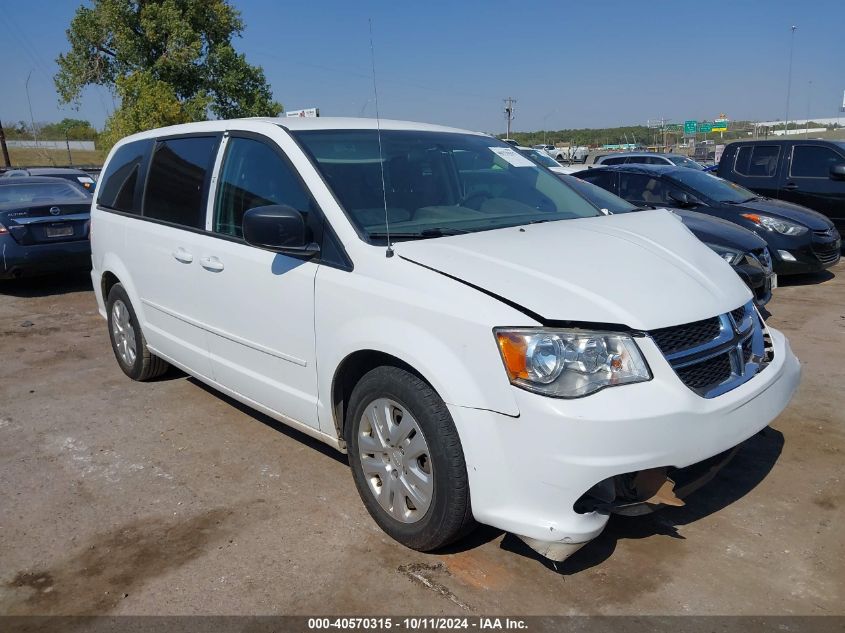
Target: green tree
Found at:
169, 61
73, 129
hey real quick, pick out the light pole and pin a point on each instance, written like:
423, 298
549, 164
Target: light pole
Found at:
789, 82
807, 122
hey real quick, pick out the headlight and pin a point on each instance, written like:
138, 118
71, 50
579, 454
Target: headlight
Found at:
728, 254
569, 363
784, 227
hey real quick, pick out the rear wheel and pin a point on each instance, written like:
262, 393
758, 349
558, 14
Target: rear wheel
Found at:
127, 339
407, 460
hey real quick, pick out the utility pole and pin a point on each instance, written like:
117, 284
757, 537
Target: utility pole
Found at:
509, 112
3, 146
789, 83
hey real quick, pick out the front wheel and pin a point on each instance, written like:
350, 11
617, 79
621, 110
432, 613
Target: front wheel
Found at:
407, 460
127, 339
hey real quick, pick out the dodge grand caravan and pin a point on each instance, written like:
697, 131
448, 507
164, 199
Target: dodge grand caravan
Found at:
484, 343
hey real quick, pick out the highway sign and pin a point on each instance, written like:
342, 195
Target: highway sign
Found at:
720, 125
690, 127
705, 127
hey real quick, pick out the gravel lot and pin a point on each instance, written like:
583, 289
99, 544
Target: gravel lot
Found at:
165, 498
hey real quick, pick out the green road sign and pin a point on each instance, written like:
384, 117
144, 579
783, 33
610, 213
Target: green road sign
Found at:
690, 127
720, 125
705, 127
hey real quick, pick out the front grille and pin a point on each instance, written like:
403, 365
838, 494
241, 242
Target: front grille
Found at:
738, 314
826, 253
712, 371
716, 355
824, 233
671, 340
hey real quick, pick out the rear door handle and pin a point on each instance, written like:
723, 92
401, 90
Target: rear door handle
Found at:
183, 256
790, 186
211, 263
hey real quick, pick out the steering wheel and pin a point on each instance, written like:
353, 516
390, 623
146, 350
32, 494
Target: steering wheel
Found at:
478, 197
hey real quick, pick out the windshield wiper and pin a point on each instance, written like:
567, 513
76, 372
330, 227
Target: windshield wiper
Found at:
424, 233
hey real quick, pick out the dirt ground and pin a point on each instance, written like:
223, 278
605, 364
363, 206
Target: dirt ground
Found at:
165, 498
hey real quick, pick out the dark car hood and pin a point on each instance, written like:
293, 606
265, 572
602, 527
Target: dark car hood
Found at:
721, 232
769, 206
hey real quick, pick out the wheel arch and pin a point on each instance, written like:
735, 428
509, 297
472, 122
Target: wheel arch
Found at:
350, 371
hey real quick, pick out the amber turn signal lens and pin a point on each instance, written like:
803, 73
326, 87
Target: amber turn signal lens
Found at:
752, 216
513, 348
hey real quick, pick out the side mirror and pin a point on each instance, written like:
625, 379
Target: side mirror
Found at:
837, 171
683, 199
278, 228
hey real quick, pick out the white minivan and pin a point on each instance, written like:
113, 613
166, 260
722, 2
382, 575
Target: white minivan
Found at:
484, 343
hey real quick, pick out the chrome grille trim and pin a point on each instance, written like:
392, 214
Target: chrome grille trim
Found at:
731, 358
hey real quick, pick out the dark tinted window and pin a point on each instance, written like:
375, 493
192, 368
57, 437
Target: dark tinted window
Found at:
646, 160
118, 183
639, 187
176, 184
757, 160
613, 161
603, 179
813, 161
253, 175
599, 196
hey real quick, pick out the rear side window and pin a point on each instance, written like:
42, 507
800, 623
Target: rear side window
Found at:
119, 183
254, 175
639, 187
813, 161
178, 180
603, 179
613, 161
647, 160
759, 161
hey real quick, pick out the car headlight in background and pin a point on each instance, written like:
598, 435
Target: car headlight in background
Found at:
784, 227
569, 363
728, 254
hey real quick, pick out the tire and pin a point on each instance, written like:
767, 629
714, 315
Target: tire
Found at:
396, 465
127, 339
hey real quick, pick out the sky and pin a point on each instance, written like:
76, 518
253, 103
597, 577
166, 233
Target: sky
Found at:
592, 63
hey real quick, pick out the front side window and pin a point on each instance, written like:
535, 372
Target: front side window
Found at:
433, 183
253, 175
599, 196
707, 185
604, 178
813, 161
177, 181
757, 160
118, 183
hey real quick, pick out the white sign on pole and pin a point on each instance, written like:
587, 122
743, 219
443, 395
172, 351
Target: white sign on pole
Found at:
306, 112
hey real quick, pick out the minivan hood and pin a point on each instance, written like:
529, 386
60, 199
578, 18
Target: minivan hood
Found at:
811, 219
714, 230
643, 270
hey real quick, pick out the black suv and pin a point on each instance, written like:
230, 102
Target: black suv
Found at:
799, 240
807, 172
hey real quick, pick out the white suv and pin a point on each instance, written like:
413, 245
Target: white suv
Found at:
483, 342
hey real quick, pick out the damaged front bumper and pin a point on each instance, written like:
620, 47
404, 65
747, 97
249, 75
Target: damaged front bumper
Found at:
554, 474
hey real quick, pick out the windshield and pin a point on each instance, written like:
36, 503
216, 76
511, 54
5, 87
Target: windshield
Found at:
38, 192
542, 158
602, 198
436, 183
683, 161
711, 186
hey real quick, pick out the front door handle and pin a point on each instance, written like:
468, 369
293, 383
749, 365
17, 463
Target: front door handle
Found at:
790, 186
211, 263
183, 256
